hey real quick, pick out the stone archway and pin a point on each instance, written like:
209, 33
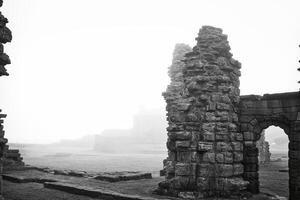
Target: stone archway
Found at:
258, 113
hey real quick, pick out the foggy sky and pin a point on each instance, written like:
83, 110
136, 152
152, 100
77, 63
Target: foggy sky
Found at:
79, 67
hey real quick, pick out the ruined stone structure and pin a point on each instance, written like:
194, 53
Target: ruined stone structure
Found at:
264, 155
260, 112
205, 147
5, 36
12, 158
213, 131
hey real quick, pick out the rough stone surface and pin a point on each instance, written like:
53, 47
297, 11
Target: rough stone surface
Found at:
122, 176
258, 113
12, 158
205, 154
213, 132
5, 36
264, 155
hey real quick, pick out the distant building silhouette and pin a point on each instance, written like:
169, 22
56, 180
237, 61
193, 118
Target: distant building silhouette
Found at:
149, 128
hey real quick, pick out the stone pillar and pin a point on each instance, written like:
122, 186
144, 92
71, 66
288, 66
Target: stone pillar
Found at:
173, 96
251, 166
294, 161
204, 143
264, 155
5, 36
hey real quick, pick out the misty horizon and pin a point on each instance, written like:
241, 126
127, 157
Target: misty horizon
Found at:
76, 75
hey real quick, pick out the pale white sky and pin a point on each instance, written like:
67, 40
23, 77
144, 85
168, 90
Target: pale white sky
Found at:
79, 67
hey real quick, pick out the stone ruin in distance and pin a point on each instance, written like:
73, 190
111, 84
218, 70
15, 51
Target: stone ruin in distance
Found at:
212, 130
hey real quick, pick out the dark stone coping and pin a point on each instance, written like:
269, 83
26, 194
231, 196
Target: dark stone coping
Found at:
115, 177
93, 192
275, 96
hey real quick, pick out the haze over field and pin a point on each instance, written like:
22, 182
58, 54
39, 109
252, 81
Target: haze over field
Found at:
79, 68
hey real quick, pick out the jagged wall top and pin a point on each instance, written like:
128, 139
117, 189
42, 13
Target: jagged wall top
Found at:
175, 70
5, 36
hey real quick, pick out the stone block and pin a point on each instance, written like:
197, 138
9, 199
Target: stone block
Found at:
171, 155
208, 158
211, 106
246, 118
251, 167
171, 145
251, 160
221, 128
184, 156
222, 137
183, 106
183, 144
220, 158
296, 126
232, 127
180, 135
208, 136
210, 127
294, 136
203, 183
185, 169
244, 127
238, 169
211, 117
184, 183
251, 176
192, 117
205, 170
223, 116
294, 145
223, 146
228, 157
248, 136
223, 106
239, 137
205, 146
170, 167
249, 143
294, 154
224, 170
238, 156
186, 195
237, 146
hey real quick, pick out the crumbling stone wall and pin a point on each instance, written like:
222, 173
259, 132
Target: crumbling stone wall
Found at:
5, 36
205, 149
264, 155
258, 113
12, 158
213, 131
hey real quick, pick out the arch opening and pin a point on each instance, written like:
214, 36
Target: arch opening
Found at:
273, 161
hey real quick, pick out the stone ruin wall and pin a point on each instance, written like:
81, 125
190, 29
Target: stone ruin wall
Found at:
264, 155
205, 149
5, 36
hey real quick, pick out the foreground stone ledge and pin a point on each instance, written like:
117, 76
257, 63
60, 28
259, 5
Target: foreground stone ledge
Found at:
91, 192
125, 176
21, 179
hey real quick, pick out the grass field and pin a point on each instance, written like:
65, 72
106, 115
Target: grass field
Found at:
271, 180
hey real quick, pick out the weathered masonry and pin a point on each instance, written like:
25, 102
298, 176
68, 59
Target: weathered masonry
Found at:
212, 130
258, 113
5, 36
